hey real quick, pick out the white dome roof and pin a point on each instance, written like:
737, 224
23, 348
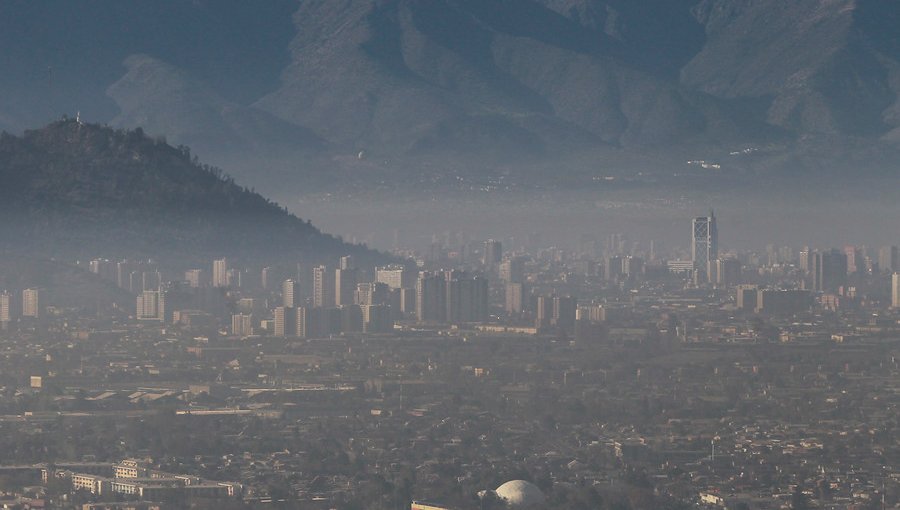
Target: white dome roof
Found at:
520, 494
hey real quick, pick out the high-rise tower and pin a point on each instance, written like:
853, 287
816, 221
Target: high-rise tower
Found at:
704, 246
323, 287
31, 303
829, 270
895, 290
220, 273
290, 294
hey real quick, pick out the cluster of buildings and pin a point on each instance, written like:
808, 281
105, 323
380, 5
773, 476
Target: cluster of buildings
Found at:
29, 306
701, 376
135, 478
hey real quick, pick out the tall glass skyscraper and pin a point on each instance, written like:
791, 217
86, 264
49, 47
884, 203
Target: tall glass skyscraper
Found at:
704, 246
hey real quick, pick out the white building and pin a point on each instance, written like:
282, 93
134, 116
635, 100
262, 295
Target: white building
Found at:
220, 273
31, 306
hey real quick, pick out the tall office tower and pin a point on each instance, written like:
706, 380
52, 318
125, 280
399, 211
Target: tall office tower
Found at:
31, 303
728, 272
135, 282
805, 258
854, 259
407, 299
895, 290
346, 262
323, 287
279, 319
493, 252
220, 273
194, 277
467, 298
235, 278
6, 312
395, 276
564, 308
301, 322
515, 298
828, 270
290, 294
543, 312
151, 305
431, 297
632, 266
344, 285
266, 278
285, 321
123, 274
889, 258
512, 270
242, 324
704, 246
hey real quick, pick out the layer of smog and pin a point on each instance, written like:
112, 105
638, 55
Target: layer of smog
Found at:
450, 255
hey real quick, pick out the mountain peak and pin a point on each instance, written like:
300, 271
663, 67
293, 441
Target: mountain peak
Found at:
87, 181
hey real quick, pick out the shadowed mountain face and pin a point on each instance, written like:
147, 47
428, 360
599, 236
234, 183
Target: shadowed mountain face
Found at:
489, 82
164, 99
79, 189
824, 66
394, 74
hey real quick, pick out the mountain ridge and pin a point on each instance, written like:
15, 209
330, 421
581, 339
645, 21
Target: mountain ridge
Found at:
486, 83
70, 185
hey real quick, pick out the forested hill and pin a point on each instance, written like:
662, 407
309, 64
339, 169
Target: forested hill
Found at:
85, 187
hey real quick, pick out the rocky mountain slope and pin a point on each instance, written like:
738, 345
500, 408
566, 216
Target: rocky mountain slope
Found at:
476, 83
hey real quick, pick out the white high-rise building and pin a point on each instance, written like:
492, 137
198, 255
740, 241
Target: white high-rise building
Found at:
5, 309
323, 287
242, 324
515, 298
395, 276
31, 305
889, 258
512, 270
194, 277
265, 278
895, 290
220, 273
151, 305
290, 293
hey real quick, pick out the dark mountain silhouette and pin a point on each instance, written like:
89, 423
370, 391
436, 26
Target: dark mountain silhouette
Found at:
83, 189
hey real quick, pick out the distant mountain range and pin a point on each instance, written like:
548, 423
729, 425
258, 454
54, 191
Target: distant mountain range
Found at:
484, 85
76, 190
